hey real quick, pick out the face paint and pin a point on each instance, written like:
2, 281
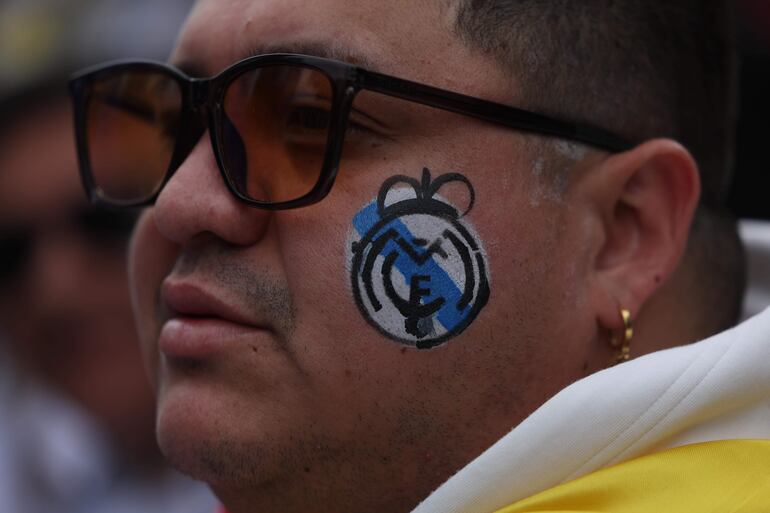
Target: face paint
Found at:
418, 271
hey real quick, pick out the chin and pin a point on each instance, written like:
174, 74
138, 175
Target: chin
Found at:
195, 435
215, 437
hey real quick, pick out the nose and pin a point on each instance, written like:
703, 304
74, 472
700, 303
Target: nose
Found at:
196, 200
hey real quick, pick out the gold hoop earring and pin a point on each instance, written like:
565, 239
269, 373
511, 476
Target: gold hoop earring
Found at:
623, 342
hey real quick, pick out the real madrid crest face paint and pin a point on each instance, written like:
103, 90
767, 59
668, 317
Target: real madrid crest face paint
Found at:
418, 271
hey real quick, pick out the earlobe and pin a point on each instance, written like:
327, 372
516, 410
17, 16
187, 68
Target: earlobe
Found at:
646, 199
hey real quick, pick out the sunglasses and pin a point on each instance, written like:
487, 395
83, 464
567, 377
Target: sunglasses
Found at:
277, 125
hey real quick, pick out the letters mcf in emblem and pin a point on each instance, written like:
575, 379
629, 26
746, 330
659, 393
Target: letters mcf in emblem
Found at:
419, 273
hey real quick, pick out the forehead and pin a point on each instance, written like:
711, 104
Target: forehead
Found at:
410, 38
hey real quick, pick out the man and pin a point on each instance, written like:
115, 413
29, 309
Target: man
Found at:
348, 348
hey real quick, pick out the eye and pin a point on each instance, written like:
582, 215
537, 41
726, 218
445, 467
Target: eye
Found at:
307, 126
133, 106
309, 119
310, 124
165, 121
362, 124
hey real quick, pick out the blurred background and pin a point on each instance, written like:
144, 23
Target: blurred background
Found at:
750, 197
76, 413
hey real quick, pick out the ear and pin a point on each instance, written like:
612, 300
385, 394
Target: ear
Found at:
645, 200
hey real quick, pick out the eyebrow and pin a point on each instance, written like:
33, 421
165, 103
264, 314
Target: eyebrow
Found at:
194, 68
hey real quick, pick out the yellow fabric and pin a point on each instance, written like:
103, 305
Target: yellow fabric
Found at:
716, 477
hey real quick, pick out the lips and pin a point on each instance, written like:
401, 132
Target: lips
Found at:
200, 323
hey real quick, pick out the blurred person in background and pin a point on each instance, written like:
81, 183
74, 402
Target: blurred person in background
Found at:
750, 197
76, 413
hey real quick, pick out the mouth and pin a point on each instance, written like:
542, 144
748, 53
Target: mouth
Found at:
198, 323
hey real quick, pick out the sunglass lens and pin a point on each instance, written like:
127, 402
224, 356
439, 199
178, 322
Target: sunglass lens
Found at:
275, 131
133, 121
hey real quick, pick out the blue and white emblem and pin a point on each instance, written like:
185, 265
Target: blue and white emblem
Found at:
418, 273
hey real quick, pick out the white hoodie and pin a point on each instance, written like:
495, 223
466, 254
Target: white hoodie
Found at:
717, 389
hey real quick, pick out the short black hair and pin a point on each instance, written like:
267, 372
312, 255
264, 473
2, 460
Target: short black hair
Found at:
643, 69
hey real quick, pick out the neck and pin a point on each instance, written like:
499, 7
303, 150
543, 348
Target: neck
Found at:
395, 480
322, 492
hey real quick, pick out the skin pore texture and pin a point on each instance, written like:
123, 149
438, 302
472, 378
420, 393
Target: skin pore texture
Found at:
271, 385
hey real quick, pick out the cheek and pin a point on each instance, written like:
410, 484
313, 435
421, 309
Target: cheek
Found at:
407, 266
313, 249
150, 258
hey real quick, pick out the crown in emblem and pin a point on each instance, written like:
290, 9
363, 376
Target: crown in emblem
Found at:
425, 199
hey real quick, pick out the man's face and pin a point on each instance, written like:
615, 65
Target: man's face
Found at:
266, 369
